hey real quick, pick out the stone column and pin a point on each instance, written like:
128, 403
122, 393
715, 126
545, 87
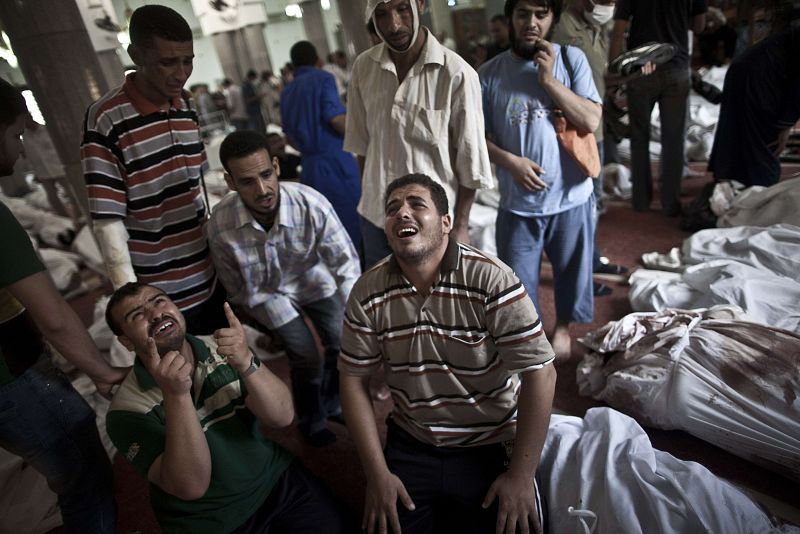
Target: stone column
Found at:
442, 18
256, 47
355, 34
112, 68
315, 27
60, 66
225, 45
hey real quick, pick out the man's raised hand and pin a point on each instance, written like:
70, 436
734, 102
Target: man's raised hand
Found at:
232, 342
172, 372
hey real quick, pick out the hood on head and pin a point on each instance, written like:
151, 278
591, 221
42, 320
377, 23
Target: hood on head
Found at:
370, 14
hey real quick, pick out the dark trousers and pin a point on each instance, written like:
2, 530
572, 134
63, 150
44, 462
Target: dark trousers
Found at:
670, 89
299, 503
447, 484
315, 380
46, 422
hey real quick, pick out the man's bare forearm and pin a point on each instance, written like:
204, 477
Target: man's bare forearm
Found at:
533, 418
581, 112
269, 398
617, 38
464, 199
360, 417
59, 324
184, 468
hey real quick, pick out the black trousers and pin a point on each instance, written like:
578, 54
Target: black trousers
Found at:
447, 484
298, 504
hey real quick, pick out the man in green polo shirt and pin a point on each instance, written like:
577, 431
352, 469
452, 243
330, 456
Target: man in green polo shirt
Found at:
42, 418
186, 419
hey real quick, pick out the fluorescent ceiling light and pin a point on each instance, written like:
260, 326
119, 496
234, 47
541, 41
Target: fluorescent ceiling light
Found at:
293, 10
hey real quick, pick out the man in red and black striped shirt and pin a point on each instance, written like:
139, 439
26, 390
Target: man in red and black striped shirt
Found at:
143, 161
469, 369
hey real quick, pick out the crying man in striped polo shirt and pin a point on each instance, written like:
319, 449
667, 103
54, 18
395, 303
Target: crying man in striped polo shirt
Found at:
470, 372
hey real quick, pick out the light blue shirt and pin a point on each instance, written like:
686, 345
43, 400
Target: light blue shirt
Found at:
518, 116
306, 256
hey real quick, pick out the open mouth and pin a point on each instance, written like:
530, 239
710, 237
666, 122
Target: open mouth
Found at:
406, 232
266, 200
163, 327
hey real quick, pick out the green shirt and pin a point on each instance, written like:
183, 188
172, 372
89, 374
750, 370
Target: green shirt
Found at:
244, 465
20, 342
574, 30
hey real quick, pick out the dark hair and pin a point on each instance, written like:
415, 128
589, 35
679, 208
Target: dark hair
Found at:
553, 5
241, 143
12, 105
303, 53
251, 74
500, 18
437, 192
157, 21
128, 290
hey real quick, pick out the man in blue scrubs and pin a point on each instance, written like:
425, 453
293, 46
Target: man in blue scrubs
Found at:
313, 119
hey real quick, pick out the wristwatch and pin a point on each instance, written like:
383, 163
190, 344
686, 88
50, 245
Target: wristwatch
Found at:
250, 370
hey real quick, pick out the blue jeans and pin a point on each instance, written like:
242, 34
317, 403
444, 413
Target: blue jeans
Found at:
315, 380
568, 240
598, 195
376, 246
46, 422
670, 88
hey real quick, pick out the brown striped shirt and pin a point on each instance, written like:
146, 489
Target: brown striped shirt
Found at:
143, 164
452, 358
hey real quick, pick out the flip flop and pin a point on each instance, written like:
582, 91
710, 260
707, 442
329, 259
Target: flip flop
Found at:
601, 290
610, 268
633, 60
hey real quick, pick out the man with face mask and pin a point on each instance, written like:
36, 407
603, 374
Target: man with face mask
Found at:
413, 106
585, 25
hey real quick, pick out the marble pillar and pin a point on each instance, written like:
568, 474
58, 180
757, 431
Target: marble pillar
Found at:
112, 68
61, 68
315, 27
351, 12
257, 47
225, 45
441, 18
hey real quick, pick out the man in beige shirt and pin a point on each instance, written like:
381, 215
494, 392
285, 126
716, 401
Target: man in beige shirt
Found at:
413, 106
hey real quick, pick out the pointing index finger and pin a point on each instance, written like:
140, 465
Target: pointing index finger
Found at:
152, 350
233, 321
